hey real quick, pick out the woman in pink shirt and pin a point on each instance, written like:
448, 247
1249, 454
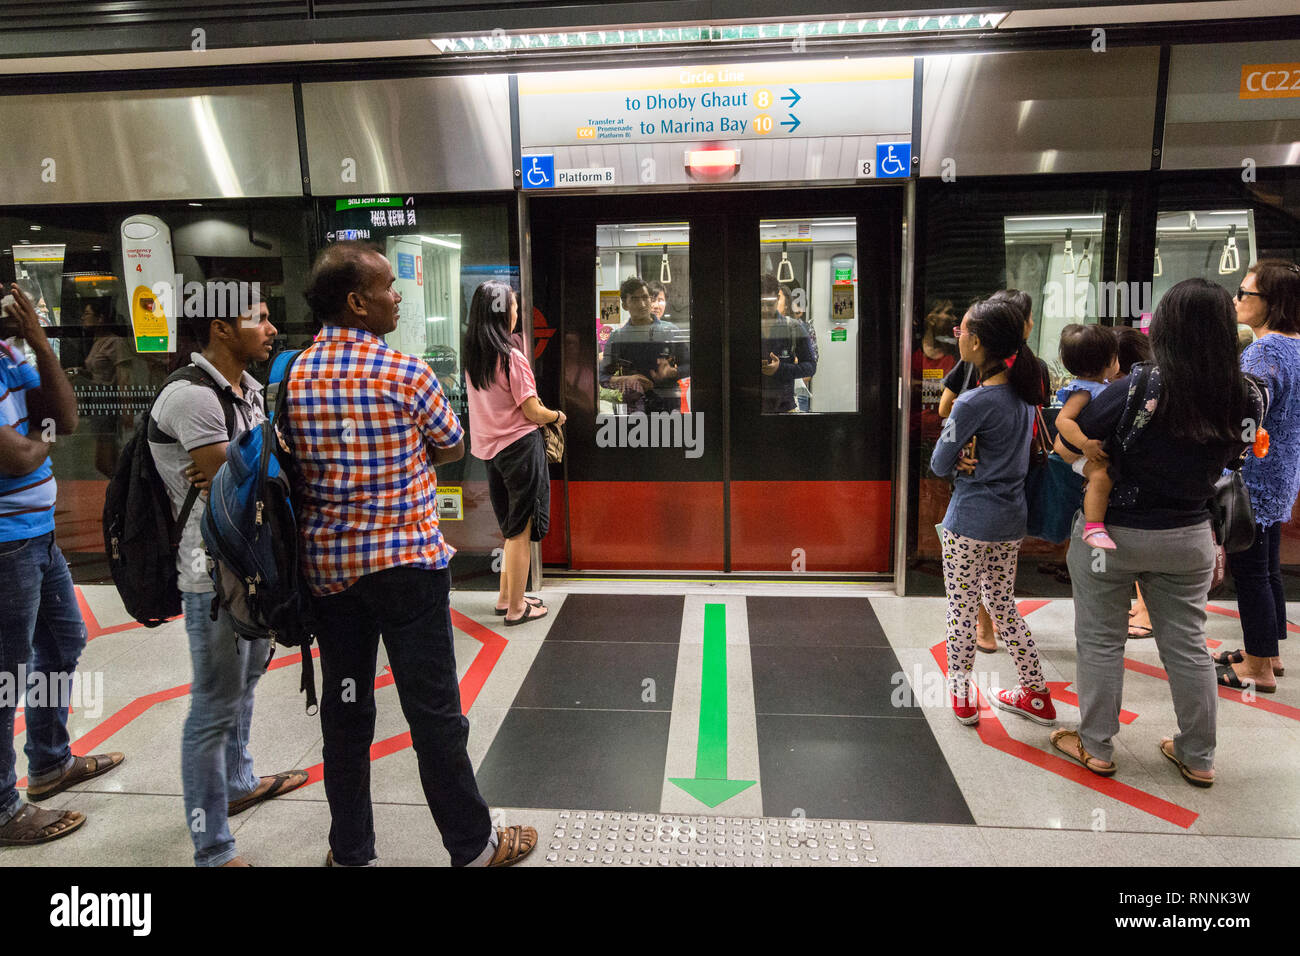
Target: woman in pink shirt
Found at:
504, 416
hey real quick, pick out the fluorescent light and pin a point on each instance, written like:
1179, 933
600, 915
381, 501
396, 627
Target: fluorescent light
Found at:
439, 242
501, 42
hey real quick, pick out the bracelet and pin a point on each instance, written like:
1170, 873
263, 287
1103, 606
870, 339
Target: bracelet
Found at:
556, 419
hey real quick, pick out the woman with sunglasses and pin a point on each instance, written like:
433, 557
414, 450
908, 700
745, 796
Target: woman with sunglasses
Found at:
1269, 302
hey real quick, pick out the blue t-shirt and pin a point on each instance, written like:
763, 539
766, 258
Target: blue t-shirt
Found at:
26, 501
1080, 385
1274, 480
988, 505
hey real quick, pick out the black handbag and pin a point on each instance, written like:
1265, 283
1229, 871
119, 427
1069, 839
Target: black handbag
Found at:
1231, 515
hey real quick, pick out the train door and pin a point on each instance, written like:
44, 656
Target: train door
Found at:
728, 371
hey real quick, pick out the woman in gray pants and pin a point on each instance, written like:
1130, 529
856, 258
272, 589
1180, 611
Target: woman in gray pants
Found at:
1186, 416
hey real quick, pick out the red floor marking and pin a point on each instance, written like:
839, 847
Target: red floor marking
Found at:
93, 628
92, 738
993, 734
470, 685
1227, 612
1059, 692
1029, 607
1226, 693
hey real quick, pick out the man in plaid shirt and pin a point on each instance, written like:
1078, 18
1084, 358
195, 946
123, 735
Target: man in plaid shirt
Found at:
367, 424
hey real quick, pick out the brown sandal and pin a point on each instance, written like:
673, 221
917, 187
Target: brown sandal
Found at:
1077, 753
28, 826
281, 783
82, 769
513, 844
1188, 773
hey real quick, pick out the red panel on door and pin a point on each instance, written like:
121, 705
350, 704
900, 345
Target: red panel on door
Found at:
555, 544
646, 525
839, 525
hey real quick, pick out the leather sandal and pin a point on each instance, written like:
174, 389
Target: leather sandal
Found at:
513, 844
82, 769
1076, 752
1239, 657
29, 825
281, 783
1188, 774
1228, 678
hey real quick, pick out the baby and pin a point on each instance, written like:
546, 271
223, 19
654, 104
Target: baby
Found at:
1091, 354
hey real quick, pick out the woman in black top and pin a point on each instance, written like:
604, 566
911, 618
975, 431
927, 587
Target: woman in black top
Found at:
1185, 421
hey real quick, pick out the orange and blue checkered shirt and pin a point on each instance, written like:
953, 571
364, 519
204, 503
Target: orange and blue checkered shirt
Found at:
360, 415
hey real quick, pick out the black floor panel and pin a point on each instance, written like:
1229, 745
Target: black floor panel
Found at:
813, 621
834, 681
639, 618
856, 768
577, 759
600, 676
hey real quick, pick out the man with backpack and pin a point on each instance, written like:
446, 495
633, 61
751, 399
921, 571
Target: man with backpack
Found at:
41, 631
193, 419
366, 425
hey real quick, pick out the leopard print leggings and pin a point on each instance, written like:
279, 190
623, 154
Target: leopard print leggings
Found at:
969, 567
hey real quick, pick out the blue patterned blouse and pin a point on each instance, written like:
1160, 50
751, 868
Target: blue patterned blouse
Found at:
1274, 480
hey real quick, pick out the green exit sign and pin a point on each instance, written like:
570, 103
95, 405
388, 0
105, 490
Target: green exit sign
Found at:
369, 202
839, 335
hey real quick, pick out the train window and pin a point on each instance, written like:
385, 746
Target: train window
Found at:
643, 330
808, 307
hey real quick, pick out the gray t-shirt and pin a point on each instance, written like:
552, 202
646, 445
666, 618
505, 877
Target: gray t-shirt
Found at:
194, 416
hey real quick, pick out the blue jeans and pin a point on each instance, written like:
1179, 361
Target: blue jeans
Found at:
1261, 602
42, 632
411, 607
216, 768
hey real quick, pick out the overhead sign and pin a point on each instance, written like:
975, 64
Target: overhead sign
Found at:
773, 100
1261, 81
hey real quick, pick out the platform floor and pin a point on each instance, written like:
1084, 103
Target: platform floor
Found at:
693, 724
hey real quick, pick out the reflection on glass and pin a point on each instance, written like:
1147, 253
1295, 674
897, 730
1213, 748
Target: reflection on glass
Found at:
1216, 245
808, 311
643, 328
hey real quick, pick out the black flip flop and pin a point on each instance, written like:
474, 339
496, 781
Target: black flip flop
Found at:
528, 615
1228, 678
1138, 627
528, 599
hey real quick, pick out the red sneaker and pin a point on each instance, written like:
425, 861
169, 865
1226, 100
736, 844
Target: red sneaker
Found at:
967, 710
1034, 704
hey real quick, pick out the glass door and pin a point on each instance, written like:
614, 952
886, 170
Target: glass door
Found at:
729, 378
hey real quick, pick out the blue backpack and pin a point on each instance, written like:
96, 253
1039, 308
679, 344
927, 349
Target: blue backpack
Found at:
251, 531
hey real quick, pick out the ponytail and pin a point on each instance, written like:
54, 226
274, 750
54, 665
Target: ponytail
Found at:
1026, 376
999, 323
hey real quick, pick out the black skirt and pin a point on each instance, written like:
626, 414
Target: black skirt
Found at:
520, 487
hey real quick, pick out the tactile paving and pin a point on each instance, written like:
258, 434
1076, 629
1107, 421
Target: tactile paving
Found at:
595, 838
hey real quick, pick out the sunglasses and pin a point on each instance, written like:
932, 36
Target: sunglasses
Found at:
1242, 293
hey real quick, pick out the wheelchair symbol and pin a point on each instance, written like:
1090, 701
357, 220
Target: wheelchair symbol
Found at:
891, 165
536, 176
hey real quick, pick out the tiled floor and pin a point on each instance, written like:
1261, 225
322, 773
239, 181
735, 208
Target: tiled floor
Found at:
835, 727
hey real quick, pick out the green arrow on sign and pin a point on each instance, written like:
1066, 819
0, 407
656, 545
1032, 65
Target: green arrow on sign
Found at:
710, 784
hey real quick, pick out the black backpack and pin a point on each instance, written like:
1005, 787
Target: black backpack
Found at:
140, 535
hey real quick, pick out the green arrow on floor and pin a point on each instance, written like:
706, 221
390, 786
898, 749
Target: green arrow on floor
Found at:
710, 784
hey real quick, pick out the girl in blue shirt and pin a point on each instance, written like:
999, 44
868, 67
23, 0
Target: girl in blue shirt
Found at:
985, 444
